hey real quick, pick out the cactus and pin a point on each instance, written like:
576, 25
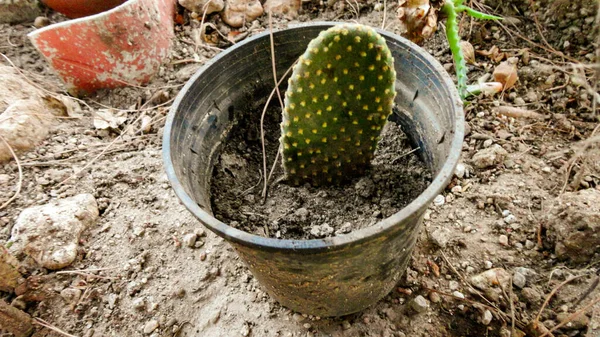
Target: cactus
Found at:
339, 97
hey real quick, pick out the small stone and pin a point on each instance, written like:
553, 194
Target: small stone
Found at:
365, 187
346, 228
453, 285
435, 297
150, 327
16, 11
41, 21
307, 325
519, 280
190, 240
70, 295
459, 171
4, 179
440, 236
503, 240
286, 8
419, 304
547, 169
487, 317
489, 157
50, 233
139, 304
239, 12
202, 256
302, 213
531, 296
245, 331
458, 294
346, 325
488, 143
529, 244
488, 264
322, 230
456, 189
439, 200
578, 322
491, 278
510, 219
200, 6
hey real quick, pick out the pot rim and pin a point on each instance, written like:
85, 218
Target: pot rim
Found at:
318, 245
90, 18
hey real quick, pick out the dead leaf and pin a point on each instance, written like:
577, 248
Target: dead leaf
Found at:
107, 119
493, 54
506, 73
468, 51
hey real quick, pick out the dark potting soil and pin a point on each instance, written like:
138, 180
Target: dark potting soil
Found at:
397, 177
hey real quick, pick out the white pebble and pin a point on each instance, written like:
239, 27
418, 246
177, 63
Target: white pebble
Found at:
150, 326
519, 280
510, 219
439, 200
459, 172
458, 294
503, 240
488, 264
487, 318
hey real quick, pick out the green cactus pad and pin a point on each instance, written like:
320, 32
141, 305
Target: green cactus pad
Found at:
339, 97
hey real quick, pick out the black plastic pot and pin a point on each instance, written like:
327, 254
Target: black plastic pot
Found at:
325, 277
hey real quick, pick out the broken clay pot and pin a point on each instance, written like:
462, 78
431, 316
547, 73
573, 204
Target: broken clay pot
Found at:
80, 8
123, 46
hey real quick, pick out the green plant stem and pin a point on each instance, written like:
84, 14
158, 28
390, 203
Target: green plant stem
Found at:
451, 10
454, 41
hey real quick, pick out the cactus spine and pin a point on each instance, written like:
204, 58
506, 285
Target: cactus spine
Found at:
338, 99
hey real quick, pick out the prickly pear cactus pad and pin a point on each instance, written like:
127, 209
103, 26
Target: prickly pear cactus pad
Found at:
338, 99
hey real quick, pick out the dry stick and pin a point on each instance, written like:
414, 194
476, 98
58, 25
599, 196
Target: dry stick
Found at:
550, 50
570, 318
75, 272
262, 131
500, 313
384, 14
274, 165
537, 24
47, 325
537, 318
262, 117
141, 109
468, 284
202, 25
577, 155
20, 183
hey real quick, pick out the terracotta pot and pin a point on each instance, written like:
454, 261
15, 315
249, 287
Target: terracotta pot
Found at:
123, 46
81, 8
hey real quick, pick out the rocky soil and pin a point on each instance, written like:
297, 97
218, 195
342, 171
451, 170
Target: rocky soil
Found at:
106, 248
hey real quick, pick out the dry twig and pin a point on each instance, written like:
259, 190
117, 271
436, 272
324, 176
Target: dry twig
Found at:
47, 325
20, 182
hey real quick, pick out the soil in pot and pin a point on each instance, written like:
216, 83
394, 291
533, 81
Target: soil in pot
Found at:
397, 176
